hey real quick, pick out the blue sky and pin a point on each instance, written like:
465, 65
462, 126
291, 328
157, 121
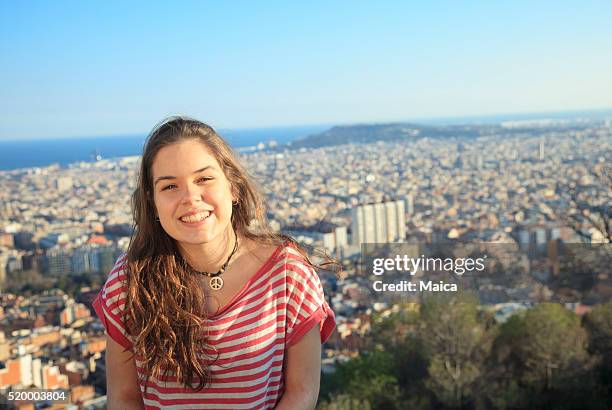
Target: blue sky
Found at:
104, 68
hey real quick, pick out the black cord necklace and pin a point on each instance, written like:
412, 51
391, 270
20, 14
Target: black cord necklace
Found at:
215, 281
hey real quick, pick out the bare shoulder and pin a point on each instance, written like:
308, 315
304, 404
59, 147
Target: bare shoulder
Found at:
260, 251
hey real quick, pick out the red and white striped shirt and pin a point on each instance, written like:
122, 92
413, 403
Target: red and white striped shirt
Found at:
251, 334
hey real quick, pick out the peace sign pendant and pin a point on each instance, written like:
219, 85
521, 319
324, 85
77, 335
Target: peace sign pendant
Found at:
216, 283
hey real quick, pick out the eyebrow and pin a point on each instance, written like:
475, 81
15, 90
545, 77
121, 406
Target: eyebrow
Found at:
197, 171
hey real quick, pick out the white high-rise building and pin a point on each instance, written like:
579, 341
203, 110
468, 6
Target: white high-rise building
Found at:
37, 373
400, 214
25, 364
356, 224
335, 240
369, 227
379, 223
410, 204
390, 215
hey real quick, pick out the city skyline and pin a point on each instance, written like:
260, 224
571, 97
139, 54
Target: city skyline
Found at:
496, 118
523, 193
87, 69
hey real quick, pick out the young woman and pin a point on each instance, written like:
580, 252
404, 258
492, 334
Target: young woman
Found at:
208, 308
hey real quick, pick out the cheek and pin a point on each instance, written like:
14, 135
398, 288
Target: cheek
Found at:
162, 205
219, 195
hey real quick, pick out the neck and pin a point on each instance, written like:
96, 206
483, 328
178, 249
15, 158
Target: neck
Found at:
209, 257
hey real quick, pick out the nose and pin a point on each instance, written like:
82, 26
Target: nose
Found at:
192, 194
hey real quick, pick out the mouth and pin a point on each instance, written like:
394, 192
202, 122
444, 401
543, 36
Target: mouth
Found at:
195, 218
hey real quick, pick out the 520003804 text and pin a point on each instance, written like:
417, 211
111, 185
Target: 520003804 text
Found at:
57, 395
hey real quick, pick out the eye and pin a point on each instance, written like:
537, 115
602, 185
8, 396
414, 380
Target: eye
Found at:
171, 186
204, 179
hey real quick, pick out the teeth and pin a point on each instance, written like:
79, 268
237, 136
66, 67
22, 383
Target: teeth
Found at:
195, 218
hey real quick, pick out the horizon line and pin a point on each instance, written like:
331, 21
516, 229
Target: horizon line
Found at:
448, 121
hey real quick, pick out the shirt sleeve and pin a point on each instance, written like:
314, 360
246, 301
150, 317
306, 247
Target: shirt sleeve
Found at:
306, 305
109, 305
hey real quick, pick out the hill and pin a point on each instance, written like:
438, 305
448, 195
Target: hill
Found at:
366, 133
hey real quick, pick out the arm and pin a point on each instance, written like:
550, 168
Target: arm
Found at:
122, 389
302, 373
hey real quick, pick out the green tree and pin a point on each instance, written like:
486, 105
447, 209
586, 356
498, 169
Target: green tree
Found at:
26, 282
552, 345
367, 378
598, 323
395, 329
501, 389
344, 402
546, 364
458, 341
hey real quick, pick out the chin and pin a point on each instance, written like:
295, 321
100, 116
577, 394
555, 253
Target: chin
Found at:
196, 240
201, 237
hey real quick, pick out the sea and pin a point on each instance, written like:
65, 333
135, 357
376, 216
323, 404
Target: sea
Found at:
30, 153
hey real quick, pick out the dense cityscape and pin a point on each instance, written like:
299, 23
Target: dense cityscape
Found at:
62, 228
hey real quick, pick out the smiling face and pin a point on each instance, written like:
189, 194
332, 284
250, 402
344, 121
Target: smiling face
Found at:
192, 196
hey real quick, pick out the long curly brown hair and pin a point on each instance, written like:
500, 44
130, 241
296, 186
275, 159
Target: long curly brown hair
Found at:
165, 309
